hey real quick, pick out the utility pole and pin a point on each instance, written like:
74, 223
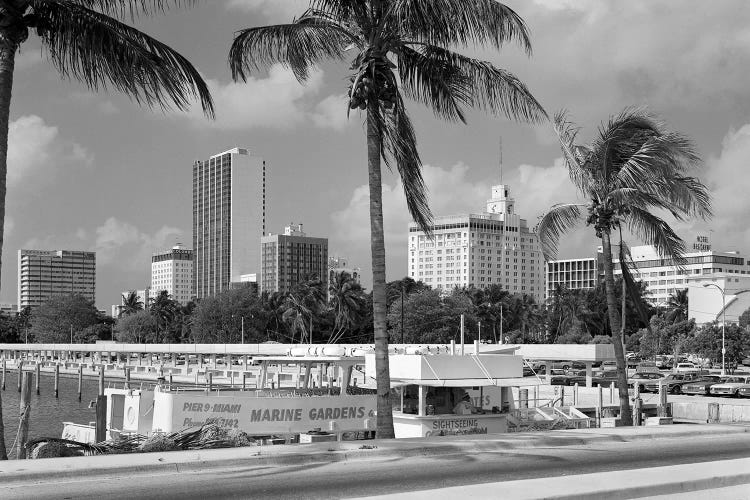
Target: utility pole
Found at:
402, 313
462, 335
243, 329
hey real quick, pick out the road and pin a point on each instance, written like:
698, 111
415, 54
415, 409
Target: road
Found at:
372, 477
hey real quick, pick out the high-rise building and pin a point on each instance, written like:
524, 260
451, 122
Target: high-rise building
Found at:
43, 274
492, 248
292, 258
143, 295
573, 274
229, 218
172, 271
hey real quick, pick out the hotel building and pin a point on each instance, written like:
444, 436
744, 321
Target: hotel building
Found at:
492, 248
292, 258
172, 271
43, 274
229, 218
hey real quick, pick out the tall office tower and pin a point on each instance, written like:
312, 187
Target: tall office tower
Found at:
229, 218
494, 247
43, 274
172, 271
292, 258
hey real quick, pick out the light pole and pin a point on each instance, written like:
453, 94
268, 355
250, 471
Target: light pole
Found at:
723, 324
243, 329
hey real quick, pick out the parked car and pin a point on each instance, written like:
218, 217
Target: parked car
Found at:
686, 368
559, 377
604, 378
609, 365
730, 387
744, 391
664, 362
673, 382
701, 386
642, 378
633, 361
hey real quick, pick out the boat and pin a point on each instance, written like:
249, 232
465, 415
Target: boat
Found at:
325, 399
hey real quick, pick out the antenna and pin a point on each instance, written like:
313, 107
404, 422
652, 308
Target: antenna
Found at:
501, 159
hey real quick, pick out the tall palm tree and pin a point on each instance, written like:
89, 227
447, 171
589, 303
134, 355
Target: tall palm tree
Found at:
677, 306
633, 167
398, 48
165, 310
131, 303
347, 301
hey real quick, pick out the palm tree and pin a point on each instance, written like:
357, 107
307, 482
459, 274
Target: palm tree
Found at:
165, 310
347, 301
634, 166
398, 47
131, 303
677, 306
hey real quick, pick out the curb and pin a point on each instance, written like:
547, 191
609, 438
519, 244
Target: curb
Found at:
249, 457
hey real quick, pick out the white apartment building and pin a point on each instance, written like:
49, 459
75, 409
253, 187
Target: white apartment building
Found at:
172, 271
663, 278
573, 274
718, 297
494, 247
43, 274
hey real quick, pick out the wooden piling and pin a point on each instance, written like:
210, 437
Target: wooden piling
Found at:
80, 380
101, 418
663, 409
170, 380
575, 394
127, 378
20, 373
101, 381
57, 380
37, 373
612, 393
25, 417
599, 404
3, 372
210, 380
244, 381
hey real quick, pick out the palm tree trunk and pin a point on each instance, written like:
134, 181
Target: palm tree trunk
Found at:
614, 323
379, 300
7, 64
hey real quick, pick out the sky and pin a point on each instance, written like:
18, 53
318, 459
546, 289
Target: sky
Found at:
94, 171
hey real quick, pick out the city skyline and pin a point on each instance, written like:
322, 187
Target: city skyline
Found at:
127, 170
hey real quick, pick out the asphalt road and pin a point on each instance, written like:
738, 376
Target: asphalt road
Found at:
371, 477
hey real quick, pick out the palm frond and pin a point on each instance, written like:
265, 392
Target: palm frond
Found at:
576, 157
658, 156
688, 196
97, 49
460, 22
655, 231
399, 149
553, 224
435, 82
490, 88
298, 46
630, 285
130, 8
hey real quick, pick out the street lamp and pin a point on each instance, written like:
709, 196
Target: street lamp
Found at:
723, 324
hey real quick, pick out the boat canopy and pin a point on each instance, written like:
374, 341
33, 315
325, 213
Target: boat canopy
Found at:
470, 382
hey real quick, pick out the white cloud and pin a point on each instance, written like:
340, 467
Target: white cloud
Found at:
36, 149
451, 192
277, 101
331, 112
727, 178
124, 244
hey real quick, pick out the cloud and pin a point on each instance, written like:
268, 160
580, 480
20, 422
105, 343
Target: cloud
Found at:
278, 101
116, 243
35, 149
331, 113
451, 192
611, 54
275, 10
104, 106
123, 243
728, 180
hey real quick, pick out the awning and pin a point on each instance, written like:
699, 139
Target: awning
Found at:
470, 382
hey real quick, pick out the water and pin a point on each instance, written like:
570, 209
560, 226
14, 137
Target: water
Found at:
47, 413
